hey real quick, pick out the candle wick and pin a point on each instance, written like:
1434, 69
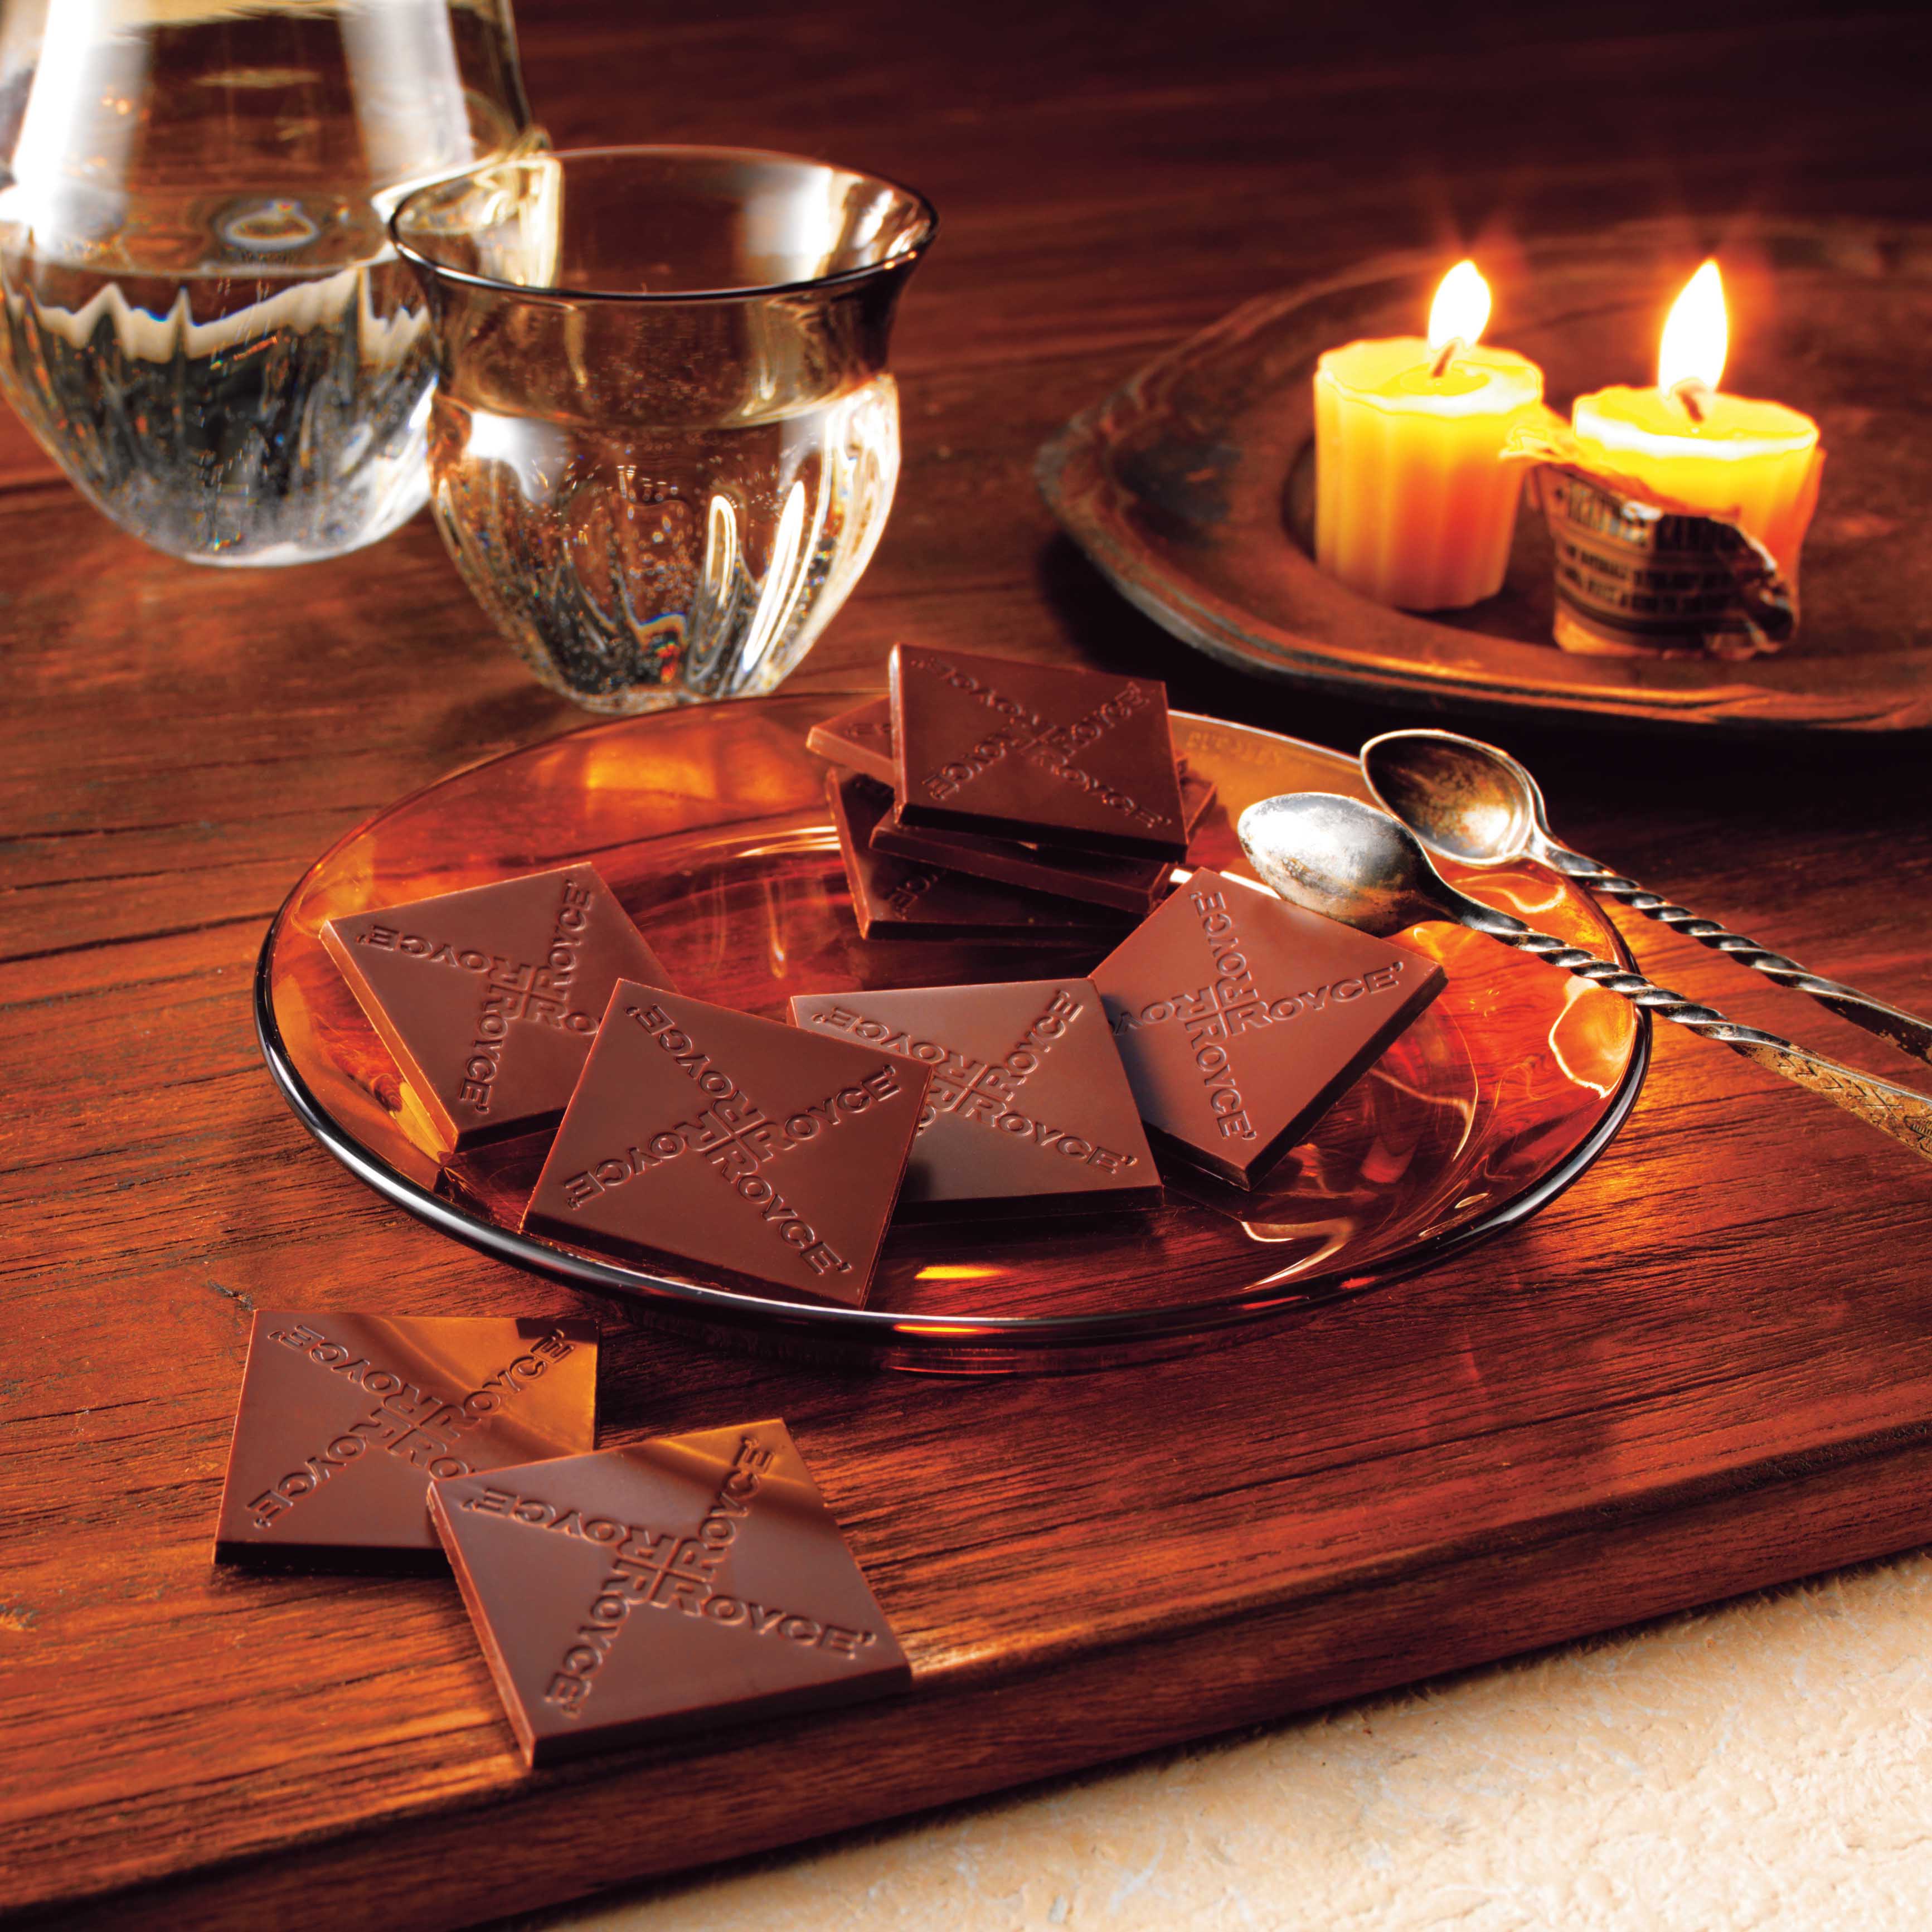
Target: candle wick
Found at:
1693, 393
1444, 356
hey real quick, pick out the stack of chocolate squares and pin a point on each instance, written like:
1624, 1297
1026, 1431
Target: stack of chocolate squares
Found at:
1004, 803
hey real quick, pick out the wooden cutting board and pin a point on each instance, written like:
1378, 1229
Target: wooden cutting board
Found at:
1709, 1367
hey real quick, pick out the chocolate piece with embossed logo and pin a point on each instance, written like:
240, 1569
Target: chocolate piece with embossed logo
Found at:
644, 1592
860, 739
345, 1419
489, 998
1077, 758
737, 1144
1134, 886
894, 898
1028, 1111
1241, 1019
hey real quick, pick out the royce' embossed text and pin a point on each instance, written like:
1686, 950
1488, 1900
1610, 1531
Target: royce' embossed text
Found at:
986, 1092
421, 1424
730, 1131
664, 1570
1217, 1014
1053, 748
535, 994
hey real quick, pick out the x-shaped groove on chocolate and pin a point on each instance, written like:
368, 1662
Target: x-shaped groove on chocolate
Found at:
808, 1138
763, 1606
1028, 1109
323, 1392
973, 737
542, 952
1234, 1111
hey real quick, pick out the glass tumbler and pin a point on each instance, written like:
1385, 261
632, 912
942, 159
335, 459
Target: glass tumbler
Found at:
202, 318
664, 441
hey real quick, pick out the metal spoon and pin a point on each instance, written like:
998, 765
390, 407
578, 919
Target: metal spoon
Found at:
1349, 861
1471, 801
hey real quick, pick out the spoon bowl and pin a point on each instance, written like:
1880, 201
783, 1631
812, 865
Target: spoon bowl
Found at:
1459, 796
1344, 859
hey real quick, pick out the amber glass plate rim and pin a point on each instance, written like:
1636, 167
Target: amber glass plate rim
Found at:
954, 1344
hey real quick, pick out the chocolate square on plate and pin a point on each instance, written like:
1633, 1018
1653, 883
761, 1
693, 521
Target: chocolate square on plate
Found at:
1131, 886
346, 1418
1078, 758
860, 739
737, 1144
1240, 1018
898, 899
488, 998
1029, 1110
694, 1581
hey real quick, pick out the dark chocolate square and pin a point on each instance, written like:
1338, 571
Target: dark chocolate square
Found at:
694, 1581
1240, 1018
1133, 887
1029, 1110
862, 740
488, 998
1035, 751
740, 1145
895, 898
345, 1419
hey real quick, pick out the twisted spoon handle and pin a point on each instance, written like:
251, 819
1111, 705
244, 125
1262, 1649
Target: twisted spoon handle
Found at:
1905, 1031
1896, 1110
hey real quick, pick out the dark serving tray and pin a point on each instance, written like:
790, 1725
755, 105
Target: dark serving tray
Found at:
1190, 488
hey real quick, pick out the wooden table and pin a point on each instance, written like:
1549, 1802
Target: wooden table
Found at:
1727, 1325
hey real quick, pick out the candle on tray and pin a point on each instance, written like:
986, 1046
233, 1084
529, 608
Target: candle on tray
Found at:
1412, 506
1756, 464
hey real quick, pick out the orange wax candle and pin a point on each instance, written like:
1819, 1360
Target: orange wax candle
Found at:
1756, 464
1413, 506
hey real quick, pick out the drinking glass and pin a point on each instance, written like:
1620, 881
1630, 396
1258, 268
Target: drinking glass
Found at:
202, 319
664, 441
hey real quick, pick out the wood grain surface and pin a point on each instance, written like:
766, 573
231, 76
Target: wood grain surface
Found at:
1708, 1367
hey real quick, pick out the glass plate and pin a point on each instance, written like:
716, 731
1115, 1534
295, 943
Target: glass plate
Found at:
709, 824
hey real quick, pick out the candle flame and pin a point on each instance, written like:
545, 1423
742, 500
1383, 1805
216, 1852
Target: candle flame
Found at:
1461, 309
1697, 334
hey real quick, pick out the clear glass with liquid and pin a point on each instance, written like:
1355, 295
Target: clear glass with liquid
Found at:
202, 317
665, 440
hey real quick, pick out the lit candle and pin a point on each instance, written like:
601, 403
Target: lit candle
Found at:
1755, 464
1412, 506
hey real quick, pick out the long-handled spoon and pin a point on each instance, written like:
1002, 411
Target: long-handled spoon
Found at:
1349, 861
1469, 801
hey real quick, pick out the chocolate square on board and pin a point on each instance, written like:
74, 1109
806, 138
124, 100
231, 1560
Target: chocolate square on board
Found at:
1029, 1110
639, 1593
894, 898
1078, 758
346, 1418
739, 1145
488, 998
1241, 1019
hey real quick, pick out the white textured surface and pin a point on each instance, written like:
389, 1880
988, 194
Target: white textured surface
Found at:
1766, 1765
